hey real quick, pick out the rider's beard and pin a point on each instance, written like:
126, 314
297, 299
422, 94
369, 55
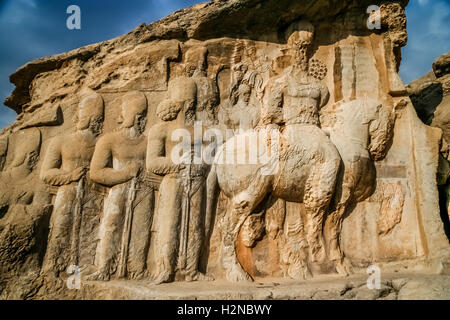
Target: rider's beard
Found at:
302, 57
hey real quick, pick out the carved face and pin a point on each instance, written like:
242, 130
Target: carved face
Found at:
84, 115
134, 108
300, 33
251, 51
300, 43
90, 113
300, 38
239, 71
245, 92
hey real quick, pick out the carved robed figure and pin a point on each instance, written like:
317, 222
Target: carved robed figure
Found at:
179, 218
118, 163
65, 165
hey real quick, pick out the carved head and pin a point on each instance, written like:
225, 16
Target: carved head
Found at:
253, 230
26, 152
239, 71
90, 113
169, 110
244, 92
251, 51
301, 36
134, 110
195, 61
300, 33
381, 130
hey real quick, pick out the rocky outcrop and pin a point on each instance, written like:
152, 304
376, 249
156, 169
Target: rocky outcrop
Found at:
441, 66
253, 19
430, 95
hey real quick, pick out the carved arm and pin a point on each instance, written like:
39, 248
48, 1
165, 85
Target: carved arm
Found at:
51, 172
157, 161
101, 170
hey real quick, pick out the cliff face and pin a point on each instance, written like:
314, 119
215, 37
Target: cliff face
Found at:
430, 96
89, 182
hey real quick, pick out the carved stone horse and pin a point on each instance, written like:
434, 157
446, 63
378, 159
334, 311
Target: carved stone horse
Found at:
361, 132
302, 167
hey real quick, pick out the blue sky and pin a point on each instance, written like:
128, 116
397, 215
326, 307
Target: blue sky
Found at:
31, 29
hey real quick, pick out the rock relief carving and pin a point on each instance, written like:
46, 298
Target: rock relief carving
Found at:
179, 231
25, 209
307, 170
4, 141
361, 132
316, 158
66, 162
118, 162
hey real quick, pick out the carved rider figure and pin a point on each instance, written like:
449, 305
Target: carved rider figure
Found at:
293, 100
65, 165
118, 159
296, 97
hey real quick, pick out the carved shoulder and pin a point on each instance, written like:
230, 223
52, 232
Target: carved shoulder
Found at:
106, 139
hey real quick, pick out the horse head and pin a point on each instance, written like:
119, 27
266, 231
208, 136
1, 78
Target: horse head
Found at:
381, 125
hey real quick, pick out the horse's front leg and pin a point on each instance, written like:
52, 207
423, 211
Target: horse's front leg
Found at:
232, 223
314, 233
242, 205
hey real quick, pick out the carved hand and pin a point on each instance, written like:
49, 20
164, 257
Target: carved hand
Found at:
179, 167
134, 169
76, 174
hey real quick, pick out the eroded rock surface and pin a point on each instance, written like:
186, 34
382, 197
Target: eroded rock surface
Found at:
430, 95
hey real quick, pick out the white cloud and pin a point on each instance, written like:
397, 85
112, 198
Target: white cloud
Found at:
439, 19
17, 12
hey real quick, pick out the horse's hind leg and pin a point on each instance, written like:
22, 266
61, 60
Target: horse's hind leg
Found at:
295, 245
334, 226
